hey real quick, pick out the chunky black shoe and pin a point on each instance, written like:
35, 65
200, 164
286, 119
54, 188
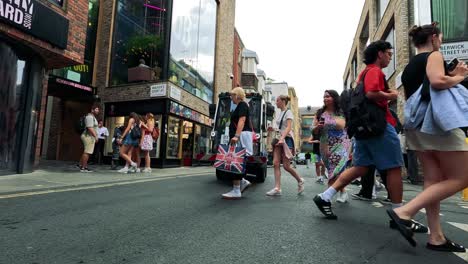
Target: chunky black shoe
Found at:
448, 246
324, 207
404, 230
415, 226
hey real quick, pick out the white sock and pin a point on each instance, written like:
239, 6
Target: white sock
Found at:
328, 194
236, 188
133, 164
396, 205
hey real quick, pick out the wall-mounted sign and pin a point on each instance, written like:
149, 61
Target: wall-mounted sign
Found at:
176, 93
158, 90
35, 19
73, 84
455, 50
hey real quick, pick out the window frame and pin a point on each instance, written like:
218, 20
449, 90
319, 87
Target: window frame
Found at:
391, 28
447, 40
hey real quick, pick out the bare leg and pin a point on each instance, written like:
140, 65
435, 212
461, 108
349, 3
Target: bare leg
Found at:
454, 166
277, 155
432, 175
395, 185
147, 160
288, 168
84, 160
126, 154
348, 176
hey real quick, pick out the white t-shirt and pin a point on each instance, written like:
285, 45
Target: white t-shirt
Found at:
287, 115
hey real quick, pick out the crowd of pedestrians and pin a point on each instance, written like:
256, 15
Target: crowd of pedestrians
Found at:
346, 148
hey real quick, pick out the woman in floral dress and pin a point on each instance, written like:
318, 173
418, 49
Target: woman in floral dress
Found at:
335, 145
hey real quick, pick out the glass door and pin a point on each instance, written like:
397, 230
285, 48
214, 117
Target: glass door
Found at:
187, 143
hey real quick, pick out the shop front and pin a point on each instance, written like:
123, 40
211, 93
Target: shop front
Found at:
184, 133
28, 47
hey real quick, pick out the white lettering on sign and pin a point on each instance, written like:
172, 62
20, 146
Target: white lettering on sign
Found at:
76, 85
19, 12
158, 90
455, 50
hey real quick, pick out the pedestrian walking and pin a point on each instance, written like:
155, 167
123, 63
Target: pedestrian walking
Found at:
382, 151
129, 140
444, 158
89, 137
319, 166
147, 140
283, 147
102, 133
240, 132
118, 130
330, 123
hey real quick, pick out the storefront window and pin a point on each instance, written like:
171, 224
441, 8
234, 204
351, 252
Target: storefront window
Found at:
13, 93
121, 121
84, 73
192, 51
202, 142
453, 18
173, 138
138, 45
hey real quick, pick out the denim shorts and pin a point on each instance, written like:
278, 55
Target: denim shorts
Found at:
384, 152
290, 142
128, 140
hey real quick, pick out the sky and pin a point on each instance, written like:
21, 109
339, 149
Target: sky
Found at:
305, 43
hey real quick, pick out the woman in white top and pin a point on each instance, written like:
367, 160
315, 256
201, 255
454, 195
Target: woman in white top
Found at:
284, 122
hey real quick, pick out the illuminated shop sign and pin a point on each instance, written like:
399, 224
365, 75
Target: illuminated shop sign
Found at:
35, 19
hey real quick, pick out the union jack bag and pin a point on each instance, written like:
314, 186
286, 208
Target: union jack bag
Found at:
230, 158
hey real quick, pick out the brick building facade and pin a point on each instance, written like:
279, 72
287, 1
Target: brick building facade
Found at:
29, 49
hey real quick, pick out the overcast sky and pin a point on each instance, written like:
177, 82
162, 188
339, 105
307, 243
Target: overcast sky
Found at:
305, 43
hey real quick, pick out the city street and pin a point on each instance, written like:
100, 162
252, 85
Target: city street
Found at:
183, 220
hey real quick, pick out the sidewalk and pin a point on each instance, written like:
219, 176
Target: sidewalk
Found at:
63, 175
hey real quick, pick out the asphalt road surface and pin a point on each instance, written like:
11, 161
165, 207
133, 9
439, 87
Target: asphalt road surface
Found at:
184, 220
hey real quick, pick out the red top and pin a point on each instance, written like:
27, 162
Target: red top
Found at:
374, 82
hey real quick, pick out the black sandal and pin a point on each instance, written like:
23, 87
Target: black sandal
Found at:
404, 231
412, 224
448, 246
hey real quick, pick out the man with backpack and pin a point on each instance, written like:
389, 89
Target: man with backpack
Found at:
89, 136
372, 125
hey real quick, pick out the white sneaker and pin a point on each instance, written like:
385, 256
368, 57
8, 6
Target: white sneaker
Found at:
342, 197
320, 180
244, 185
123, 170
232, 195
146, 170
274, 192
300, 186
137, 170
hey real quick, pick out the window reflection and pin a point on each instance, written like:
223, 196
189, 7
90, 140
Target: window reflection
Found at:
193, 35
173, 138
138, 41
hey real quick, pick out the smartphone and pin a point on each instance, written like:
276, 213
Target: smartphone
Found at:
452, 64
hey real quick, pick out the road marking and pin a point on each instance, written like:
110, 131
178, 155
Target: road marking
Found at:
463, 227
377, 204
424, 212
97, 186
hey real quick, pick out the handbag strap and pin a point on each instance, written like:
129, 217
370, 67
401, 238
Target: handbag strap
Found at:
282, 118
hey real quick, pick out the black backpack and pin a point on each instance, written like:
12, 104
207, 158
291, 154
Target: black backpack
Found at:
80, 126
365, 119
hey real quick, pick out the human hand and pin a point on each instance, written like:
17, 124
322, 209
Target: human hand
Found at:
234, 140
460, 70
280, 141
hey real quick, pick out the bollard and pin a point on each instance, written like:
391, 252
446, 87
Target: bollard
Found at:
465, 195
